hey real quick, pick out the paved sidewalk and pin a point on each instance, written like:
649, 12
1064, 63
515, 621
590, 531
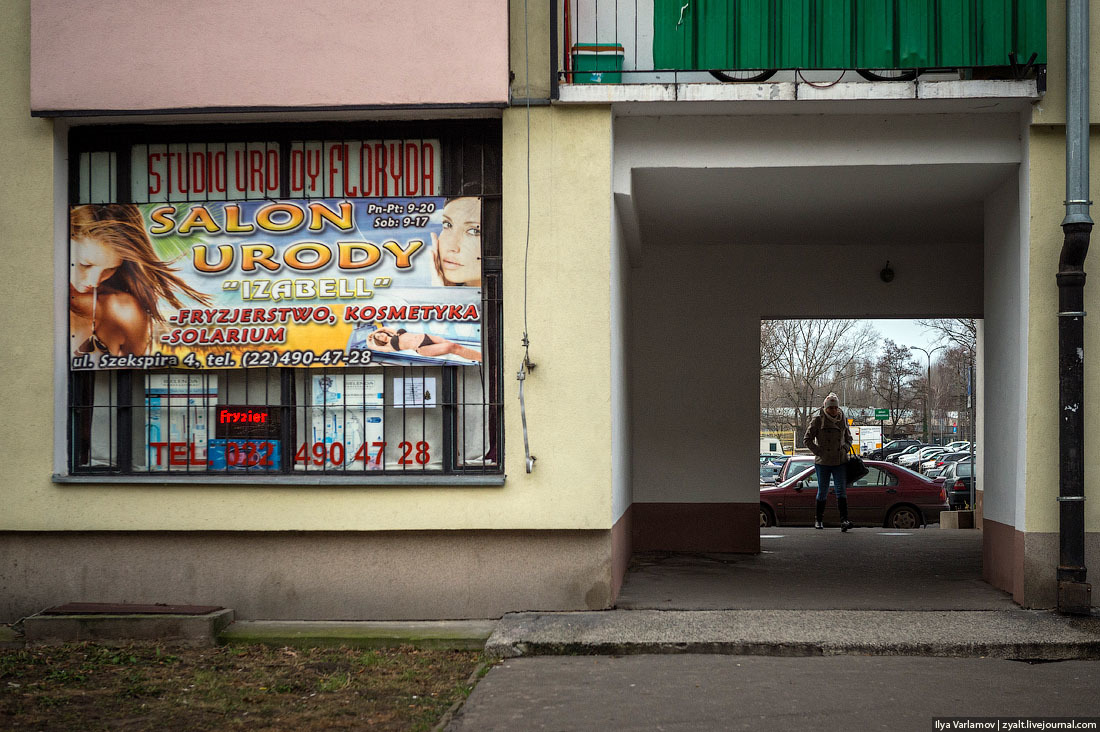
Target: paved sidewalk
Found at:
705, 693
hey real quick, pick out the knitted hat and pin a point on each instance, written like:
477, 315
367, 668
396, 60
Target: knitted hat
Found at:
831, 401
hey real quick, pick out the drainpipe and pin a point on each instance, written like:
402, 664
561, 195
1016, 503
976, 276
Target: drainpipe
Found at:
1074, 593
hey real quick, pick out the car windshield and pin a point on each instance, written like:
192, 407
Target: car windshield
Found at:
912, 473
802, 473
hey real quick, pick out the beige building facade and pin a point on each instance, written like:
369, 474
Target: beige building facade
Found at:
644, 231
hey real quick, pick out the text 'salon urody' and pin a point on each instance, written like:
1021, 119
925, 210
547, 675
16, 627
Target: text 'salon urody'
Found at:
283, 217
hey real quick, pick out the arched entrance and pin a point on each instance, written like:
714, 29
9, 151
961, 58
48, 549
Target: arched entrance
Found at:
727, 220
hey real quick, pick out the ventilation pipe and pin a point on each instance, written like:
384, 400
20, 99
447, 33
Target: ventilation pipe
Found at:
1074, 593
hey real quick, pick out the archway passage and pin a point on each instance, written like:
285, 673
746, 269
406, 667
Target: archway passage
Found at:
724, 226
800, 568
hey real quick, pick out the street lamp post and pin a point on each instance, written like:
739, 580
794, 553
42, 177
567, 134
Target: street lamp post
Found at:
927, 387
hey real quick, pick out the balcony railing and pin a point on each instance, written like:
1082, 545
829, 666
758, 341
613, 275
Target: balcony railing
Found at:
676, 41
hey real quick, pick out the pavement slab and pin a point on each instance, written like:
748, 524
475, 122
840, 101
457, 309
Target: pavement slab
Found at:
714, 692
1020, 634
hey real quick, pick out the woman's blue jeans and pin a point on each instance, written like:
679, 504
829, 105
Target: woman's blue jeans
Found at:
839, 474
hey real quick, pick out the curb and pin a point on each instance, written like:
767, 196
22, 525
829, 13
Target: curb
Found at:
466, 635
1007, 651
1023, 635
471, 682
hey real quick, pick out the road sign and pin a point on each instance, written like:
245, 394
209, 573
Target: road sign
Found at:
882, 414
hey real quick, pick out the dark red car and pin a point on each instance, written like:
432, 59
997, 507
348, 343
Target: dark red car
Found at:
888, 495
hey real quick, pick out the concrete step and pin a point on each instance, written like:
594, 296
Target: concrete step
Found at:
1018, 634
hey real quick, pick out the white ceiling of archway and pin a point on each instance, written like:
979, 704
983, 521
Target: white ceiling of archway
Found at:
897, 204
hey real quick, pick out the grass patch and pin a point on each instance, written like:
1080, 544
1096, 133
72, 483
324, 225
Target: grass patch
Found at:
79, 687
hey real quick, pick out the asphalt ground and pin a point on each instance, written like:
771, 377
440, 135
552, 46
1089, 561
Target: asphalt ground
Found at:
806, 569
714, 692
870, 629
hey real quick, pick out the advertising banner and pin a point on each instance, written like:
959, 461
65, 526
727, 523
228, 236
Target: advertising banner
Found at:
307, 282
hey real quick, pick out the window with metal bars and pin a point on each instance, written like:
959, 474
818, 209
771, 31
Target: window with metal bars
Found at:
419, 404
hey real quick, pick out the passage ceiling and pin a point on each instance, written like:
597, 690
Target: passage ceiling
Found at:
896, 204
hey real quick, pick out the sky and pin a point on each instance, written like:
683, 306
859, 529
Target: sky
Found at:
905, 332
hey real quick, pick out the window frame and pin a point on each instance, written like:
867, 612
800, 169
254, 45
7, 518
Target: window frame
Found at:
470, 153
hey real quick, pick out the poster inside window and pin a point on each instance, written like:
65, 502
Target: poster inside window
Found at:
323, 282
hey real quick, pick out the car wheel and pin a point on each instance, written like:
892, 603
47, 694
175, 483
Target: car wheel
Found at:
904, 517
767, 517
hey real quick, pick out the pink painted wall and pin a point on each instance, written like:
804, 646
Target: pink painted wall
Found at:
151, 54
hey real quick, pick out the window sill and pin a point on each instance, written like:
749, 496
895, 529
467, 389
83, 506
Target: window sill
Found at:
266, 481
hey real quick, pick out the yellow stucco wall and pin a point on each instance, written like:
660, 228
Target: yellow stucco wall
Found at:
1047, 181
26, 275
1047, 190
568, 396
1052, 108
530, 51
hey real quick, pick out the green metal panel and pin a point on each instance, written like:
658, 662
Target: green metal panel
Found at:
835, 23
1031, 34
957, 32
673, 37
715, 23
754, 34
916, 39
867, 34
875, 21
794, 48
994, 32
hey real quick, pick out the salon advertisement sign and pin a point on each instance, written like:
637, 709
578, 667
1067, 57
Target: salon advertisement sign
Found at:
318, 282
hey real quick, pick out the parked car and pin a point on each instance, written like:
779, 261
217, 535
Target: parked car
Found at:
769, 472
887, 496
956, 481
958, 445
914, 460
792, 465
934, 466
890, 448
907, 451
767, 457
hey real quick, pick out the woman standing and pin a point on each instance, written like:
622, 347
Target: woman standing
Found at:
830, 440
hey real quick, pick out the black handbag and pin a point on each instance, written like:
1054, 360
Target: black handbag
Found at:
856, 469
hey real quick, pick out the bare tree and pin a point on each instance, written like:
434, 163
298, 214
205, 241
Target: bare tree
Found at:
895, 379
959, 332
772, 343
950, 375
810, 357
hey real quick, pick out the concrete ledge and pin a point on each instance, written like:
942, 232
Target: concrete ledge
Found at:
956, 519
197, 630
436, 634
1016, 634
789, 91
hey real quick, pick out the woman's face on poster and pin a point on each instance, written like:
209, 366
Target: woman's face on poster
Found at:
460, 242
91, 263
381, 338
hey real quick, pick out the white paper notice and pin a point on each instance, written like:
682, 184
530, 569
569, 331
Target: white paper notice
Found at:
414, 392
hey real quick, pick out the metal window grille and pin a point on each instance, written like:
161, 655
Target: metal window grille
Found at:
389, 420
